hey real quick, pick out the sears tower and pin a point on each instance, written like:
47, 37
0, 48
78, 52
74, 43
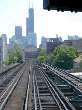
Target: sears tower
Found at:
30, 22
30, 34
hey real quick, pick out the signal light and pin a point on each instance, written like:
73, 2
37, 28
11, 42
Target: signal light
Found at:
63, 5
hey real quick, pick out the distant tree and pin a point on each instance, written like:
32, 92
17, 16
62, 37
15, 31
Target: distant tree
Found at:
42, 59
18, 53
14, 55
42, 52
42, 56
63, 57
50, 58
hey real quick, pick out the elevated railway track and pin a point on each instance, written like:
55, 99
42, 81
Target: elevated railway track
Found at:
44, 98
39, 87
18, 95
7, 86
13, 87
64, 74
46, 95
7, 77
68, 92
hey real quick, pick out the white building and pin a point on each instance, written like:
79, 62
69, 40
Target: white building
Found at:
4, 47
0, 51
74, 37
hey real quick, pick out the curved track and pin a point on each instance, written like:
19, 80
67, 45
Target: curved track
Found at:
45, 95
65, 87
64, 74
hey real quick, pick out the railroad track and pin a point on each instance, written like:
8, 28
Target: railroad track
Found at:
19, 93
9, 85
65, 89
50, 91
8, 73
26, 104
67, 74
45, 96
7, 78
73, 79
9, 69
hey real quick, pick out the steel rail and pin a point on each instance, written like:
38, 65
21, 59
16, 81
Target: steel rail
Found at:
5, 81
50, 91
55, 96
6, 95
65, 103
65, 79
27, 94
63, 72
75, 90
4, 72
35, 100
38, 92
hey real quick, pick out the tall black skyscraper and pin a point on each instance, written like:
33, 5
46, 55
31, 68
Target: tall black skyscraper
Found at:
30, 22
31, 36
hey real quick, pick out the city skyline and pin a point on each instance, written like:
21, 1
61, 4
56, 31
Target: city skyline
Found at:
47, 24
30, 39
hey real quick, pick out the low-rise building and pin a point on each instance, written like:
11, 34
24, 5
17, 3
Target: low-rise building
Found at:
52, 43
75, 43
31, 52
74, 37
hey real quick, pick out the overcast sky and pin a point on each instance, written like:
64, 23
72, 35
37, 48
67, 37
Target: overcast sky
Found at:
47, 23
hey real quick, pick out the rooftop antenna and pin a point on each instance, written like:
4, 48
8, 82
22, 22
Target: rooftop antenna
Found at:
29, 3
32, 4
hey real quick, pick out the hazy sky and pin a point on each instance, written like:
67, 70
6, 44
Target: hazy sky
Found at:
47, 23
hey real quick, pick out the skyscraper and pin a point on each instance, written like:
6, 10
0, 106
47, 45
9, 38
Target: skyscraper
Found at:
30, 22
32, 40
28, 41
27, 19
31, 36
43, 42
18, 31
